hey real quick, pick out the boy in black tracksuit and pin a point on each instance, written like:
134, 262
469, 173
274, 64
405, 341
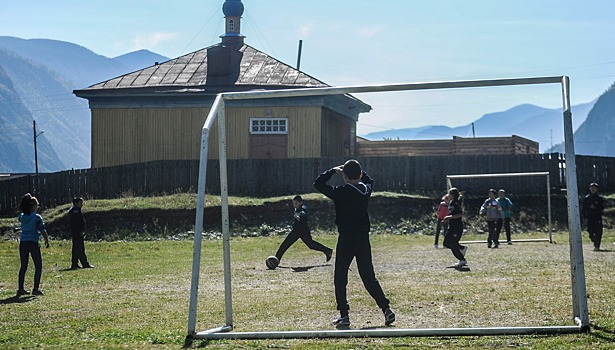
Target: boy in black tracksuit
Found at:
593, 205
301, 230
77, 232
352, 220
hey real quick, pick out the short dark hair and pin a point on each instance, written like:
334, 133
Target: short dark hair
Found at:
594, 185
492, 191
77, 200
298, 198
352, 169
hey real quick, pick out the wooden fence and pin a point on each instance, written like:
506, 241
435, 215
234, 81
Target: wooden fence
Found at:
267, 177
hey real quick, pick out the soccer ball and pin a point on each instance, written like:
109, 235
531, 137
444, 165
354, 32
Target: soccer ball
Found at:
272, 262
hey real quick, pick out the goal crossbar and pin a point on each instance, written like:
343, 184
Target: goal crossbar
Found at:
538, 173
217, 113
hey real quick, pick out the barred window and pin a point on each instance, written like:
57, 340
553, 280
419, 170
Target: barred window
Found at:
268, 125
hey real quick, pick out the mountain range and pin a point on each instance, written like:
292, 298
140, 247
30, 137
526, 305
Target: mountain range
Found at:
37, 77
536, 123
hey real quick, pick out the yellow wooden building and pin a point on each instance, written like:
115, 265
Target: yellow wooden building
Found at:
157, 113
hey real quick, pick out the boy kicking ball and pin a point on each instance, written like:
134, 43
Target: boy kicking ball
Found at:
300, 230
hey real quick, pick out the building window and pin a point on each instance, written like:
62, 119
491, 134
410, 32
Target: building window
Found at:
231, 25
268, 125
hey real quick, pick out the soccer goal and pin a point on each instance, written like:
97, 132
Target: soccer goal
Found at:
225, 331
449, 185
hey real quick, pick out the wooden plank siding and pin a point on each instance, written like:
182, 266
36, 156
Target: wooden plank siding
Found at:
458, 145
337, 134
128, 136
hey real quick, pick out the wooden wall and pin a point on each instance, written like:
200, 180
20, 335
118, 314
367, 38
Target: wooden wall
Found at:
269, 177
458, 145
337, 137
128, 136
136, 135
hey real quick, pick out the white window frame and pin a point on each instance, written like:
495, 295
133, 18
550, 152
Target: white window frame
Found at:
269, 126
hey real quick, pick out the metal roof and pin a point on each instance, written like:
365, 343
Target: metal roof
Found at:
244, 67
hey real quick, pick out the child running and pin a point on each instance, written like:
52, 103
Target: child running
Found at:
455, 228
352, 219
32, 226
301, 230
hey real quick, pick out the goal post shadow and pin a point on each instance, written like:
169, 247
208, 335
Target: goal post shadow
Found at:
217, 113
546, 174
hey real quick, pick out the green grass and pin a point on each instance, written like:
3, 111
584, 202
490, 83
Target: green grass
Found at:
137, 296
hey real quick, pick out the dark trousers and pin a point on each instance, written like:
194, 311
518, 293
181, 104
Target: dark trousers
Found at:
347, 250
78, 252
440, 225
306, 237
594, 227
494, 233
451, 241
27, 249
506, 223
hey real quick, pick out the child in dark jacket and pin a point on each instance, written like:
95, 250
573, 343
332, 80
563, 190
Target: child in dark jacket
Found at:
301, 230
352, 220
77, 232
492, 210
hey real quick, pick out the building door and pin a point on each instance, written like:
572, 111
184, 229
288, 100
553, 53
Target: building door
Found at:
268, 146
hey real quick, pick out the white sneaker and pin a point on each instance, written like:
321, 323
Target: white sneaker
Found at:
464, 250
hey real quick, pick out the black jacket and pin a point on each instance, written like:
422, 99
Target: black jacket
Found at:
593, 204
76, 220
351, 202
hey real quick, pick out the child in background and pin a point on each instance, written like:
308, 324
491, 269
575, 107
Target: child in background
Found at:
493, 212
506, 205
440, 223
77, 232
32, 226
301, 230
455, 228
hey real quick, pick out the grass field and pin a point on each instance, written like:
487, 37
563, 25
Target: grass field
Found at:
137, 296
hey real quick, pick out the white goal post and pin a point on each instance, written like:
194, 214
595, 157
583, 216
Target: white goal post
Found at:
449, 185
217, 112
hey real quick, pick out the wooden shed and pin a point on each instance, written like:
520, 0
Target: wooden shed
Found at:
157, 113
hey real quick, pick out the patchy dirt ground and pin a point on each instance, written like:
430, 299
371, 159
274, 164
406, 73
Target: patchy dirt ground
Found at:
390, 213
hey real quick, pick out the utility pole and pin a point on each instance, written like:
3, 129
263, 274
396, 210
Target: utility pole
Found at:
473, 133
35, 148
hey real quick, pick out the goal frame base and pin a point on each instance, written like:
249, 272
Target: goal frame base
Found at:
226, 333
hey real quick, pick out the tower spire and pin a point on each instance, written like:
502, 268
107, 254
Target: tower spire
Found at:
232, 9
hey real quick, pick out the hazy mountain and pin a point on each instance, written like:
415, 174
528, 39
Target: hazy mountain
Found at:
43, 73
16, 132
533, 122
596, 136
133, 61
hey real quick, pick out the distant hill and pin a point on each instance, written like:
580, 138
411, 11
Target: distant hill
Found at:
526, 120
133, 61
596, 136
42, 75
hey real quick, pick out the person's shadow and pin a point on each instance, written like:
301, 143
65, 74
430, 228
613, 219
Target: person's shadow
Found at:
302, 268
17, 300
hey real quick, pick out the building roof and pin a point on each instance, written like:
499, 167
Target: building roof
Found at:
214, 67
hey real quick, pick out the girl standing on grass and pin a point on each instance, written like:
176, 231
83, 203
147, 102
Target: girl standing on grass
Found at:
455, 228
441, 224
32, 226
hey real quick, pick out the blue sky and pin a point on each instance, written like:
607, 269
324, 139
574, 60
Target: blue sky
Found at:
367, 42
